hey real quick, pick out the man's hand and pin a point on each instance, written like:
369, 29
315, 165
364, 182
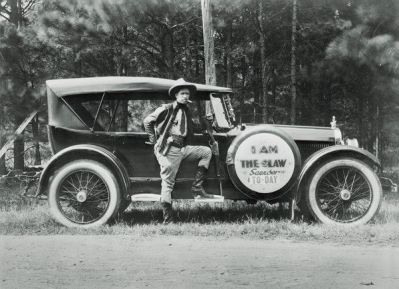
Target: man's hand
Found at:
149, 143
215, 148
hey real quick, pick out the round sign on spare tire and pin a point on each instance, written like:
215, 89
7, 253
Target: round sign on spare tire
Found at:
263, 162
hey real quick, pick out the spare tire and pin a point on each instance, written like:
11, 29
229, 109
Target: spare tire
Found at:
263, 162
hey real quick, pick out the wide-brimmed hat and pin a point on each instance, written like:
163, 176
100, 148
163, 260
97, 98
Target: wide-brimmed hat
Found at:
181, 83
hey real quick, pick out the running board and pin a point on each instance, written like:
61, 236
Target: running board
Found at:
157, 198
214, 199
145, 198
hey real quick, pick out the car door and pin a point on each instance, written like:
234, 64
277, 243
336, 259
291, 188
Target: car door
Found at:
131, 144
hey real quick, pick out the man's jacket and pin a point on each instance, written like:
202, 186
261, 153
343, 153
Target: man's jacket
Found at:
158, 124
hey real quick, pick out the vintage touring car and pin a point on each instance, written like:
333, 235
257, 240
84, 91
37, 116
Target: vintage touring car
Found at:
101, 161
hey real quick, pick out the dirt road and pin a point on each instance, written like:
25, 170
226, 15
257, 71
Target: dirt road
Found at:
188, 262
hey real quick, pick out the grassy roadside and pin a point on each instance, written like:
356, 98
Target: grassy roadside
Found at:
21, 216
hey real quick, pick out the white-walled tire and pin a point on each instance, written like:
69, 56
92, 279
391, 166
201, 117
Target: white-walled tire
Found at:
344, 191
84, 193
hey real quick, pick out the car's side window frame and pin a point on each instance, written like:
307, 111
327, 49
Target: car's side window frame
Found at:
91, 116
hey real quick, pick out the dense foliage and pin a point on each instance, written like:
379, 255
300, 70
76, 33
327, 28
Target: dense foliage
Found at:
347, 56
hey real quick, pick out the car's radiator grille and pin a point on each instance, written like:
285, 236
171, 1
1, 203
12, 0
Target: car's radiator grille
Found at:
308, 148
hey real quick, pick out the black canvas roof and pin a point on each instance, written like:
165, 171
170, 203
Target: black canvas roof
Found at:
120, 84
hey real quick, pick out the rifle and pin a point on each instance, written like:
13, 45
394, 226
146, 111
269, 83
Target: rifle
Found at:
215, 150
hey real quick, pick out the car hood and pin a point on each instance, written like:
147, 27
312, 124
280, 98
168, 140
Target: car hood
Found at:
299, 133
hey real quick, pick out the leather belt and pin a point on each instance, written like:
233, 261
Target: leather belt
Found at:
177, 145
178, 141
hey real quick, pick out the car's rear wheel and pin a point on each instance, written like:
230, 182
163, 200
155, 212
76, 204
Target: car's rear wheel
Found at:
344, 191
84, 193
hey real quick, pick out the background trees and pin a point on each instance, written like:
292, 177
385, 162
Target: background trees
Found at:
346, 56
21, 71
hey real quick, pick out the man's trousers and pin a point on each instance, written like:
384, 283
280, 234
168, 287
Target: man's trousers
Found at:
170, 164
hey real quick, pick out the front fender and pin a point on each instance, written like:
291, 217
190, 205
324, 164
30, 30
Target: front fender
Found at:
85, 151
330, 152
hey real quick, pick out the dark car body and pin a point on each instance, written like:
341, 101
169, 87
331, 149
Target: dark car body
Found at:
83, 116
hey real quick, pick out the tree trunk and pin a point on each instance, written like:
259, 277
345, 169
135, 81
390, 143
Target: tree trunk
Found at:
35, 133
274, 86
188, 63
361, 122
19, 145
197, 68
19, 148
121, 119
256, 88
19, 9
377, 131
263, 101
229, 44
16, 19
243, 86
14, 15
293, 64
169, 54
308, 102
3, 169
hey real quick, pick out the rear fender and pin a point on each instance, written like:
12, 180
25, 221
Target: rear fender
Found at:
94, 152
323, 155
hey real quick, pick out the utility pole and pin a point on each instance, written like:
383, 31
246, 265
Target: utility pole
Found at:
209, 51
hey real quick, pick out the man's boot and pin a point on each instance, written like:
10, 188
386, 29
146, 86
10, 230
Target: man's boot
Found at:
167, 212
197, 189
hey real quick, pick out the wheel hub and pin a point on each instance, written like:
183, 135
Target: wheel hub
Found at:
81, 196
345, 194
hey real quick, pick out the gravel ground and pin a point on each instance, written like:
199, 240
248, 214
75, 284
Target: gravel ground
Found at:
116, 261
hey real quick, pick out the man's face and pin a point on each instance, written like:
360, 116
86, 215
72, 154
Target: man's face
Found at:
183, 96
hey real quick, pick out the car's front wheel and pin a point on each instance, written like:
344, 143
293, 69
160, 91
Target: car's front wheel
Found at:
84, 193
344, 191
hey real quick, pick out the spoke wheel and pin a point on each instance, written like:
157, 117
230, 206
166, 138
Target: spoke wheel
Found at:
344, 191
84, 193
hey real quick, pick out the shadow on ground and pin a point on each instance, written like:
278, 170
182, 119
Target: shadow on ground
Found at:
190, 212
